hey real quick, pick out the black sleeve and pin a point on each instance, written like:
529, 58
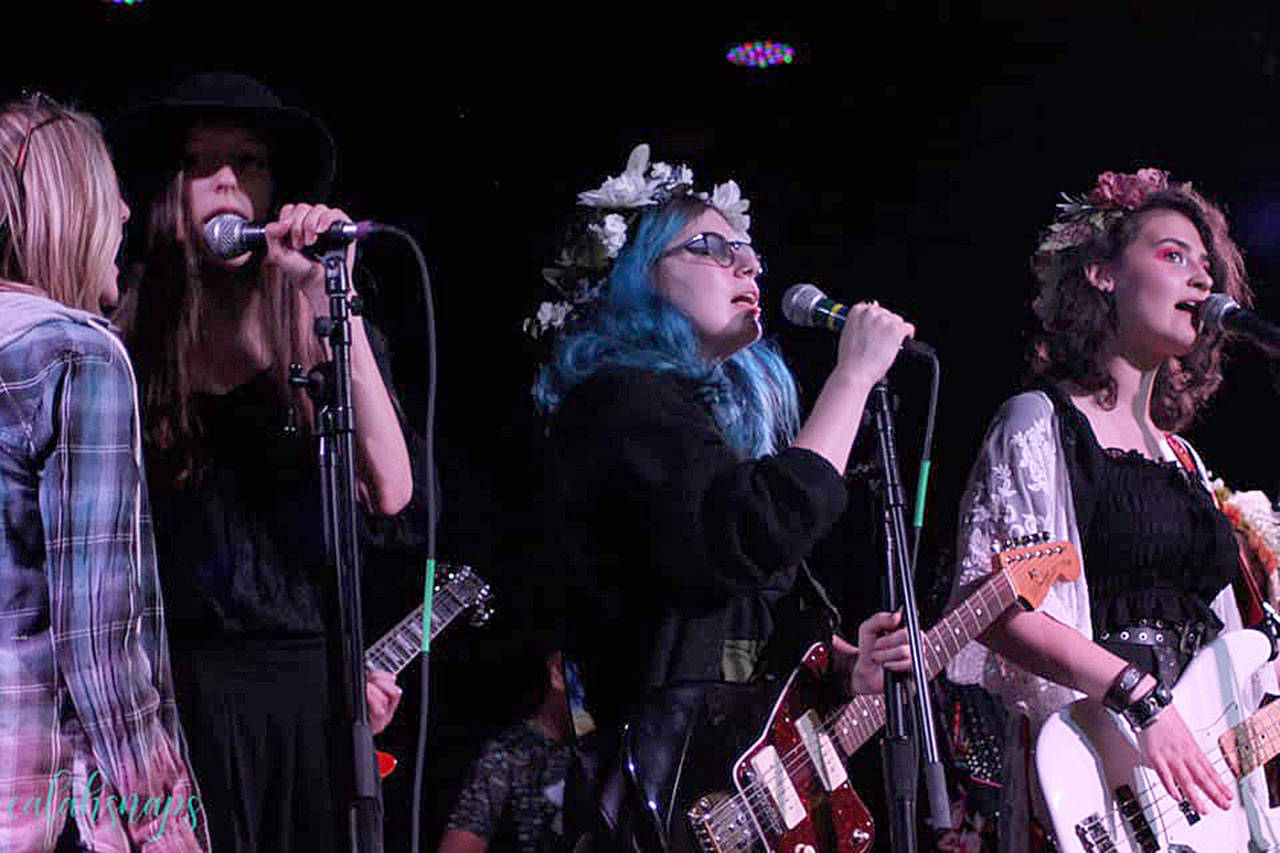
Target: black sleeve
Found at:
648, 471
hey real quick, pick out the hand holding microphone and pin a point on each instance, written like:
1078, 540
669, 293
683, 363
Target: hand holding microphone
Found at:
300, 232
870, 336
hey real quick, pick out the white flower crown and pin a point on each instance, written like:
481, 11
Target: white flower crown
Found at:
582, 265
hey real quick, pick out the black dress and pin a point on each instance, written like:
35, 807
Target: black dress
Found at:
245, 579
681, 553
1157, 549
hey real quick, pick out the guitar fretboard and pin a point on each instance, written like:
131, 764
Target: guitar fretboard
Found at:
1254, 742
859, 720
399, 646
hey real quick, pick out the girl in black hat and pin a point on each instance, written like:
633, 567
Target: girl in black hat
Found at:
233, 471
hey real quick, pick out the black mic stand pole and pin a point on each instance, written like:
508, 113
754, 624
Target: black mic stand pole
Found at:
329, 385
898, 750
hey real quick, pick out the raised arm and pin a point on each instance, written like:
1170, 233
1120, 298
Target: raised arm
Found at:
383, 467
869, 344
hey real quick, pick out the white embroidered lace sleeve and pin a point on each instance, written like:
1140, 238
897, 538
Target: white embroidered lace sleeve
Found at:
1018, 486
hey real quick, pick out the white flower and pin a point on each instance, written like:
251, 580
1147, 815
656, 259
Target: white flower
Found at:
612, 233
660, 172
551, 315
628, 189
727, 199
1255, 507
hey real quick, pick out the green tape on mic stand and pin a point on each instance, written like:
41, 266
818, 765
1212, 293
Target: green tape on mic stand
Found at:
427, 594
922, 486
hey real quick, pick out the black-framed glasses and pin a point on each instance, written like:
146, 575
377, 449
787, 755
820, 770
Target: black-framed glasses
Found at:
720, 249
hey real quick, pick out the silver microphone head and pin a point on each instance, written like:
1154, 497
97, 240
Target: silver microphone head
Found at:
1211, 312
222, 235
798, 303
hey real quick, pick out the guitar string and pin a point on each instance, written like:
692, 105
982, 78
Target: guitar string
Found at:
758, 794
1156, 796
386, 646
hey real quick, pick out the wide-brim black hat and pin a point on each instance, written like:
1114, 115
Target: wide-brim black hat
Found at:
147, 140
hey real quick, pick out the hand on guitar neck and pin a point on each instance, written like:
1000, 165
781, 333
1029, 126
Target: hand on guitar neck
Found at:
382, 695
881, 645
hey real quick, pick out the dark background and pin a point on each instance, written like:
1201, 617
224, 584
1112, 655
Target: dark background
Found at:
910, 155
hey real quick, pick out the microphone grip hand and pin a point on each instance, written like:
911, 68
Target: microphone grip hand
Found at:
298, 227
871, 340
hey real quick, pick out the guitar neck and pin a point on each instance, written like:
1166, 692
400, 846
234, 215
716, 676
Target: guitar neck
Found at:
859, 720
399, 646
1254, 742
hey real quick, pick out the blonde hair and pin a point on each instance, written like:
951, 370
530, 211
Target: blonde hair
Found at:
60, 203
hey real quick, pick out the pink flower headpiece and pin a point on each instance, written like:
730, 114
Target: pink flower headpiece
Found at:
1082, 216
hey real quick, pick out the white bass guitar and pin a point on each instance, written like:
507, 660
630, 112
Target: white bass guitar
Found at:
1103, 796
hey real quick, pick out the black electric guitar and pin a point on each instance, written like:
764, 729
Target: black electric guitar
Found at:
457, 588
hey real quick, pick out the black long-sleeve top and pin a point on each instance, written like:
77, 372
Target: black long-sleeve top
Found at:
677, 548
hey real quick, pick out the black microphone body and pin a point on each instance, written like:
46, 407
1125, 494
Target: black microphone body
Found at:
229, 235
1221, 313
806, 305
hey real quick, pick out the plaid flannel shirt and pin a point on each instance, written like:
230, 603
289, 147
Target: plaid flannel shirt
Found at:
88, 725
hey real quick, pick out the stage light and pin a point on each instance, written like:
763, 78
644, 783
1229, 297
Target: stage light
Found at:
761, 54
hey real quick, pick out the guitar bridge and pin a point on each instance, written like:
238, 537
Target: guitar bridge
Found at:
721, 823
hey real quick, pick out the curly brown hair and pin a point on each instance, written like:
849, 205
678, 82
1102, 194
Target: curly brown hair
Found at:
1076, 318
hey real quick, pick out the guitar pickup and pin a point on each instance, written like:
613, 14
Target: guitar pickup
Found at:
1093, 835
822, 752
772, 774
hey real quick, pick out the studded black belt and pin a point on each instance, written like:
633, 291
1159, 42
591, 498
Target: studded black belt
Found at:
1175, 643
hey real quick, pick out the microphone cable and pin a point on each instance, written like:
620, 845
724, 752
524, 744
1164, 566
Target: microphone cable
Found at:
429, 464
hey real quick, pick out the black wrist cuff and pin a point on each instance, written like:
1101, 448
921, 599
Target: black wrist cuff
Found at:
1120, 692
1142, 712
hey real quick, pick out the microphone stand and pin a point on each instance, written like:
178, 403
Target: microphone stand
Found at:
899, 749
329, 386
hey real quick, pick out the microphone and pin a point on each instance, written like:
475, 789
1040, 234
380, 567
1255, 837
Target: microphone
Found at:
230, 235
806, 305
1221, 313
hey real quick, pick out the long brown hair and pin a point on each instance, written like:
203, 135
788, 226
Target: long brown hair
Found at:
162, 315
1077, 318
60, 223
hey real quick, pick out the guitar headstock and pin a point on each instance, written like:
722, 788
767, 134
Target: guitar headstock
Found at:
482, 610
468, 588
1033, 564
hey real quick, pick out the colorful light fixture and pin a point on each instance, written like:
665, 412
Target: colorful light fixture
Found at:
761, 54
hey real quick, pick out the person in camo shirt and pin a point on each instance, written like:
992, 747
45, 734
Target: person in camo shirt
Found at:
513, 799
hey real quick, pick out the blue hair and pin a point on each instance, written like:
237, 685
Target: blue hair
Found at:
752, 394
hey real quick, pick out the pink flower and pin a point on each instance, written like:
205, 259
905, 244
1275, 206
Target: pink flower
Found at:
1157, 179
1107, 190
1119, 190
